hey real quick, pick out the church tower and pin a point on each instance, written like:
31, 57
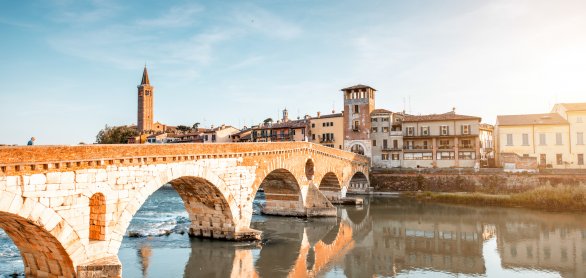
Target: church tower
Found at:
145, 103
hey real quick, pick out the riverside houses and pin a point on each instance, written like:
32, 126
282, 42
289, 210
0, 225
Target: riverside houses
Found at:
327, 130
441, 140
550, 140
387, 138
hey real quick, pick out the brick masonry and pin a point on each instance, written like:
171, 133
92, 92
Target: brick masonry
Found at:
79, 200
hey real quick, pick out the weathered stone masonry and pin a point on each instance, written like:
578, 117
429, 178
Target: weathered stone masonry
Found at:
79, 200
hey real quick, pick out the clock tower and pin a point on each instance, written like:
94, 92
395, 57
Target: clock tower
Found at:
145, 103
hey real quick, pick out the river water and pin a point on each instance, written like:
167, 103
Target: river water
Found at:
387, 237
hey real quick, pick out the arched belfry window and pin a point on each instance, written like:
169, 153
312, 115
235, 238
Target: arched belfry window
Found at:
98, 217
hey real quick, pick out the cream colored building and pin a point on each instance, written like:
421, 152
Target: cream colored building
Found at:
555, 140
387, 138
444, 140
575, 114
327, 130
221, 134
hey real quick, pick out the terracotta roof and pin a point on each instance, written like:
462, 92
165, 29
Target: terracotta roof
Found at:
359, 86
574, 106
531, 119
329, 116
145, 77
450, 116
381, 111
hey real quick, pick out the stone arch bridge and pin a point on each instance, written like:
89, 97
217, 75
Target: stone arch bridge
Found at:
67, 208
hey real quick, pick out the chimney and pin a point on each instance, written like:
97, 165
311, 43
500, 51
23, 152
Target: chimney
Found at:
318, 114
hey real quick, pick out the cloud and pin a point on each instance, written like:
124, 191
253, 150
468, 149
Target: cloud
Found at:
79, 12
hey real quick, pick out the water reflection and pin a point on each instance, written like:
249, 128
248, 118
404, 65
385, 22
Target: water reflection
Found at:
400, 237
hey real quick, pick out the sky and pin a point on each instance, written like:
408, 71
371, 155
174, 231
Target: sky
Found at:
68, 68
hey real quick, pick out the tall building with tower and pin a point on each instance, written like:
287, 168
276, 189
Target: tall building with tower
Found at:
358, 104
145, 103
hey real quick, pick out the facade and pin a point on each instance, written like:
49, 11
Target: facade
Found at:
545, 138
441, 141
358, 104
283, 130
221, 134
487, 145
575, 114
145, 103
387, 138
327, 130
245, 135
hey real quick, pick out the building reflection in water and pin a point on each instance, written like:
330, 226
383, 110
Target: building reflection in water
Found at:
144, 253
395, 236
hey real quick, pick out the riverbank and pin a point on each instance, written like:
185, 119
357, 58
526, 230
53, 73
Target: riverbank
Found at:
551, 198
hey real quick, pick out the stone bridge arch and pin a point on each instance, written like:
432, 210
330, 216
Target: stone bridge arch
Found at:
47, 243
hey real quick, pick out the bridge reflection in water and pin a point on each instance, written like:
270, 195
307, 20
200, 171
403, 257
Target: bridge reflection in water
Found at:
401, 237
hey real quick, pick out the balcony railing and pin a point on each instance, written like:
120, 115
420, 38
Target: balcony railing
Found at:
470, 146
417, 147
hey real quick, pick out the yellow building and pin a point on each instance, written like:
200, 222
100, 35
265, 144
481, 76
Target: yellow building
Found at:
554, 140
540, 136
575, 114
327, 130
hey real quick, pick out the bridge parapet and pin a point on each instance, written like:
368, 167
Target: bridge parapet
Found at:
41, 159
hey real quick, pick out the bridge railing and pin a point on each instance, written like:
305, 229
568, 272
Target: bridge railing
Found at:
44, 158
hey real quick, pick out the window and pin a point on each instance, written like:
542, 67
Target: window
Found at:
313, 125
395, 156
525, 139
580, 138
445, 156
374, 119
466, 144
425, 130
374, 129
444, 144
385, 145
395, 144
385, 119
580, 159
465, 129
444, 130
558, 138
558, 159
543, 159
374, 143
467, 155
356, 110
356, 125
410, 131
425, 147
385, 156
542, 141
385, 129
417, 156
313, 137
331, 123
509, 139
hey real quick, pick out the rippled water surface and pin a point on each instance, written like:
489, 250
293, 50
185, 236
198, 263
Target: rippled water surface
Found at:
387, 237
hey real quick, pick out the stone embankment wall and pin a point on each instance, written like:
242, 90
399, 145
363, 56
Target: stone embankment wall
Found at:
468, 181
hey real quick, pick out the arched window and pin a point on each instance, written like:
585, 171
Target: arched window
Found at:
98, 217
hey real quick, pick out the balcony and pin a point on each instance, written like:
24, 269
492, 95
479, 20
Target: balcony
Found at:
445, 147
467, 147
391, 148
417, 148
396, 133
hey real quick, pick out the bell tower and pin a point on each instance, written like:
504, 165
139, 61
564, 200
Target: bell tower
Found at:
145, 103
358, 104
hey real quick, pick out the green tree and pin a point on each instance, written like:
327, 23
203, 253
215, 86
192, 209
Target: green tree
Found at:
268, 120
196, 126
183, 128
115, 134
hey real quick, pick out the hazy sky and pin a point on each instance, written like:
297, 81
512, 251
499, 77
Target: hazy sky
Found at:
69, 67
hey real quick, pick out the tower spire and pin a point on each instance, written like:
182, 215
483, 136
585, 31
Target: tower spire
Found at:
145, 77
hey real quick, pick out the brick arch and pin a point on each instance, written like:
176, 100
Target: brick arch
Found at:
330, 182
208, 208
40, 234
282, 190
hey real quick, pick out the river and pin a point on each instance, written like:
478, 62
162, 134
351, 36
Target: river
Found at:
386, 237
